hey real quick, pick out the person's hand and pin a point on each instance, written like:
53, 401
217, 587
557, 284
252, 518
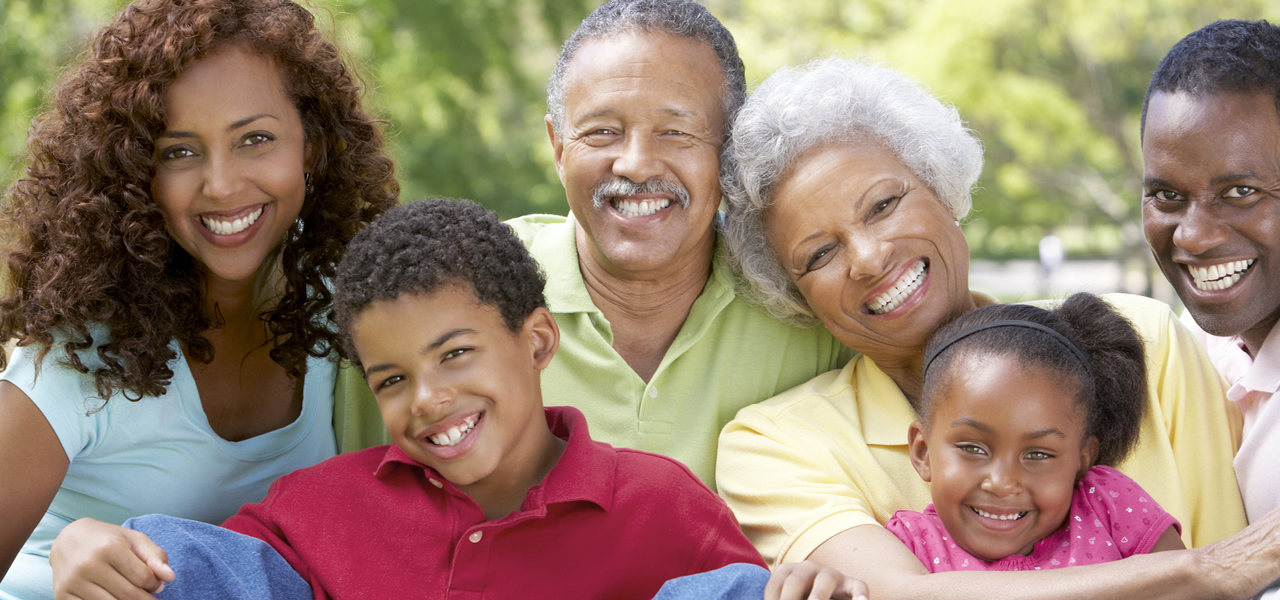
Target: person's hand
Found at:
809, 580
1244, 564
93, 560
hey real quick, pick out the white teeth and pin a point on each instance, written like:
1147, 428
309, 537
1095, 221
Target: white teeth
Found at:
233, 226
891, 299
454, 434
643, 208
1013, 517
1219, 277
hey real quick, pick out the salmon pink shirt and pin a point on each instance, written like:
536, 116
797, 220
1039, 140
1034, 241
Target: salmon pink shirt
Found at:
1111, 518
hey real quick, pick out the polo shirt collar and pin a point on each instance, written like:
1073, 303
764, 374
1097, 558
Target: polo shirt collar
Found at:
884, 409
585, 471
1264, 374
558, 249
566, 291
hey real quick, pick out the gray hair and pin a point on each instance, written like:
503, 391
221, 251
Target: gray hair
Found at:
829, 102
681, 18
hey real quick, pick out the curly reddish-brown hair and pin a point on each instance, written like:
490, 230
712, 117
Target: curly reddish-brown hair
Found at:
88, 245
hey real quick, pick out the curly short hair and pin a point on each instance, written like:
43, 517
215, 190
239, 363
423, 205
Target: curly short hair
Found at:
1112, 388
681, 18
1224, 56
421, 247
89, 247
830, 102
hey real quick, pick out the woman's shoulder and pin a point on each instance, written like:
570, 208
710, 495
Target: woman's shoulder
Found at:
837, 385
1147, 315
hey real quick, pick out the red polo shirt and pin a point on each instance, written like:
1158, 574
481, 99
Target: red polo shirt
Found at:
605, 522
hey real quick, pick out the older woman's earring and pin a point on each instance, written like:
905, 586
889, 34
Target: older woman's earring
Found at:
957, 223
306, 177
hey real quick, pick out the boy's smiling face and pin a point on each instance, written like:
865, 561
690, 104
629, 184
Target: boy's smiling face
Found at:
459, 392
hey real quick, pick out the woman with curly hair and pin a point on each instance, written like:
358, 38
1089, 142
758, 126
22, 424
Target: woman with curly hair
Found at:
187, 198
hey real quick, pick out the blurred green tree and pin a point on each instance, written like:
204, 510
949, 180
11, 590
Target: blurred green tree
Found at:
1053, 88
464, 86
461, 83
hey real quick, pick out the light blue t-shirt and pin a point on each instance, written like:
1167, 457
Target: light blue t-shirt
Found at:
156, 455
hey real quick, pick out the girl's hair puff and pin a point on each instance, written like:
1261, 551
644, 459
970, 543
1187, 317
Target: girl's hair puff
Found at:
88, 247
1114, 398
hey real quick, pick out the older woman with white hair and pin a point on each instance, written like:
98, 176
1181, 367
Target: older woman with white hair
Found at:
848, 183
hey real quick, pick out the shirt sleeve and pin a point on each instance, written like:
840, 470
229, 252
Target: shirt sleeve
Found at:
1197, 419
728, 546
916, 533
257, 520
1133, 518
65, 397
788, 499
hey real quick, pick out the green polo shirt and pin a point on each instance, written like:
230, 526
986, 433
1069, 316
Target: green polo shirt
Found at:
727, 355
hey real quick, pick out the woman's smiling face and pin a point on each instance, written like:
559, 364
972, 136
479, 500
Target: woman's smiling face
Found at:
230, 163
877, 256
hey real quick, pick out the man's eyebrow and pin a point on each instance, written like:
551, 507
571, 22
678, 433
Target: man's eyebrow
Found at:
678, 112
440, 341
1230, 177
607, 111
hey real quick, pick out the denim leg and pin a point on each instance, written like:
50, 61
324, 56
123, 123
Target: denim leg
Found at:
212, 562
739, 581
1271, 593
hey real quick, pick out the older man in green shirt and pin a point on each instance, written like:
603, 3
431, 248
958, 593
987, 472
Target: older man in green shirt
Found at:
656, 348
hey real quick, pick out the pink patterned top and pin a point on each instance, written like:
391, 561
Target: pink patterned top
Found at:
1111, 518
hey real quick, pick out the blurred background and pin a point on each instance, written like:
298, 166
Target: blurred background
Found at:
1052, 87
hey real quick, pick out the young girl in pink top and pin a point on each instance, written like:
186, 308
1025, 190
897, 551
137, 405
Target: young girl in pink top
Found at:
1024, 413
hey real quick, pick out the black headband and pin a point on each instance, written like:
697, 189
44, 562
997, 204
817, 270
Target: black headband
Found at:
964, 333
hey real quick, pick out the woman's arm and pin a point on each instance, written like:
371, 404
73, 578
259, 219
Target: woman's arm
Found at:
1234, 568
31, 454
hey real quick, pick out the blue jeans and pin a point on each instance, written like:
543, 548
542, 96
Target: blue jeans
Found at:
212, 562
739, 581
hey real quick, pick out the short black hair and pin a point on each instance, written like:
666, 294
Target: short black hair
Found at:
1223, 56
421, 247
1114, 397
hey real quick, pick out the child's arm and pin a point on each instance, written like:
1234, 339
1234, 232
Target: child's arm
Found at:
90, 558
1169, 540
809, 580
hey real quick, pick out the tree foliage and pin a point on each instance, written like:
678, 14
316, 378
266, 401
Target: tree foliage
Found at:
1052, 87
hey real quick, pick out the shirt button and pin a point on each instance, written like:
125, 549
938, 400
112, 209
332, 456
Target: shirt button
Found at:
653, 392
475, 537
437, 483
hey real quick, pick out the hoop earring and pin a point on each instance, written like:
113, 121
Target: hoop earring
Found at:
310, 188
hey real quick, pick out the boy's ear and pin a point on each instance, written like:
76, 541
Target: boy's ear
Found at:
918, 448
544, 336
557, 147
1088, 454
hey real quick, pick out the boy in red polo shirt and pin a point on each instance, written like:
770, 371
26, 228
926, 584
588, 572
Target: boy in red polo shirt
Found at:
484, 493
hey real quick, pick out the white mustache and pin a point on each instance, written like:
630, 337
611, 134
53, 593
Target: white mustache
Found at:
626, 187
